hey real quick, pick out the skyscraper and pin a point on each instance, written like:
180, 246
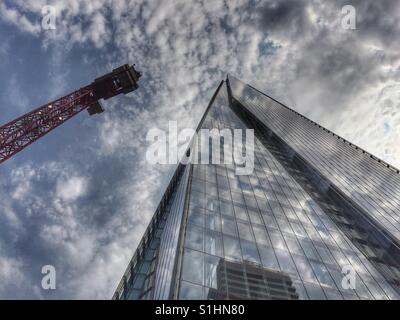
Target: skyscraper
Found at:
317, 218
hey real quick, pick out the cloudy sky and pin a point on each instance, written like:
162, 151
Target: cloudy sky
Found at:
80, 198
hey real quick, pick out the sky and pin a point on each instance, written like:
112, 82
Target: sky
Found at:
81, 197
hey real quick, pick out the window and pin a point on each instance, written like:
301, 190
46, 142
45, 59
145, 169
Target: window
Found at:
304, 268
194, 238
376, 291
211, 178
232, 248
234, 183
221, 172
270, 221
314, 292
276, 208
284, 225
294, 246
223, 182
277, 240
325, 255
333, 294
285, 261
190, 291
268, 258
246, 187
211, 189
212, 203
241, 213
298, 229
197, 198
261, 236
197, 186
213, 243
251, 202
309, 249
198, 171
237, 197
196, 217
322, 274
224, 194
213, 222
245, 231
226, 208
192, 269
255, 217
210, 271
138, 281
258, 192
250, 252
228, 226
263, 205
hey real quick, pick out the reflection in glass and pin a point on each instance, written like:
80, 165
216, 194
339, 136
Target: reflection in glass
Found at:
232, 248
250, 252
190, 291
192, 266
213, 243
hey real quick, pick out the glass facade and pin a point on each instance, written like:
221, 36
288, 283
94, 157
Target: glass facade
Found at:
313, 206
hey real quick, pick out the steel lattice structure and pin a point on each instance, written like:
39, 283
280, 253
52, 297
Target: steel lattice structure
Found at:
21, 132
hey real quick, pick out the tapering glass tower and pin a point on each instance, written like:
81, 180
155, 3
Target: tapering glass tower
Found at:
317, 218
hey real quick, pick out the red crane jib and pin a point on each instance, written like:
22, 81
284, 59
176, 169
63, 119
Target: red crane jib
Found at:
21, 132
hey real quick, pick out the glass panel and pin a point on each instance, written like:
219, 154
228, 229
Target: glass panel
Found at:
325, 255
322, 274
250, 252
270, 221
192, 266
245, 231
232, 248
294, 246
197, 218
194, 238
211, 189
197, 198
237, 197
241, 213
314, 291
304, 268
213, 243
226, 208
268, 257
210, 271
229, 226
333, 294
309, 249
190, 291
255, 217
285, 261
261, 236
212, 203
213, 222
138, 281
277, 240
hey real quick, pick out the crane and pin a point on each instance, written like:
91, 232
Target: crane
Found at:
21, 132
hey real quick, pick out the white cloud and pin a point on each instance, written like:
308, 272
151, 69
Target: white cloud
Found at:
71, 189
20, 20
